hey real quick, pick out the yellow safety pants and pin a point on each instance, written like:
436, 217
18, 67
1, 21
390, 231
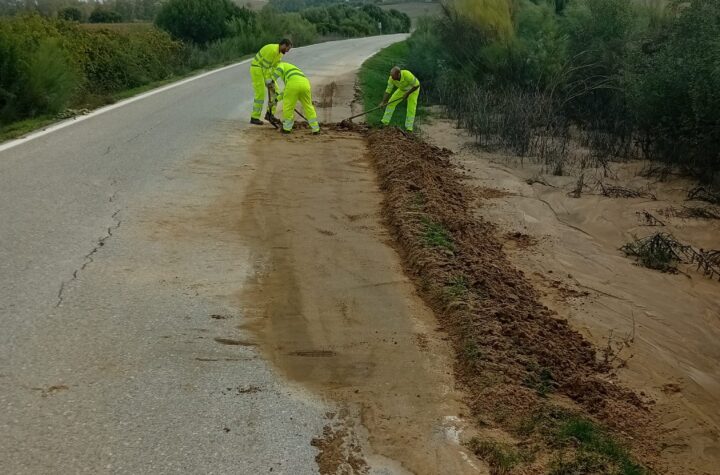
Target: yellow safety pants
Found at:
298, 89
412, 101
260, 90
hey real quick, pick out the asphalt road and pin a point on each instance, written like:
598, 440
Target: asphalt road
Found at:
109, 361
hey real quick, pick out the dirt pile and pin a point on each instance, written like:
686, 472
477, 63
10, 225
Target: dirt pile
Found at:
512, 352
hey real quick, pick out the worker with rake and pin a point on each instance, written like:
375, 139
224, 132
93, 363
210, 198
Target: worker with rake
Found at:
297, 88
408, 88
261, 69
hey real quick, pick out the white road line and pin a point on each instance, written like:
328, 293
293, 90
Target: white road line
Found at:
66, 123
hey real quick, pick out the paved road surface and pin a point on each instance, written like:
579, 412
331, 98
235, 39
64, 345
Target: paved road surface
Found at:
109, 361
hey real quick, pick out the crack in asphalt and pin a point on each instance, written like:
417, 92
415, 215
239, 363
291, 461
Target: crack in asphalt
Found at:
89, 257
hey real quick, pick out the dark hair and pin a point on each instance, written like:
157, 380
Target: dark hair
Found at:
285, 42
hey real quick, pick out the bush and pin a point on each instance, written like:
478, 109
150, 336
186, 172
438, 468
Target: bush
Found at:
674, 91
50, 79
115, 61
349, 21
38, 73
70, 14
644, 72
198, 21
103, 15
50, 64
272, 25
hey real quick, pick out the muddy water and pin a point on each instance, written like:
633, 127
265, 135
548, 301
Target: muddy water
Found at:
665, 327
332, 308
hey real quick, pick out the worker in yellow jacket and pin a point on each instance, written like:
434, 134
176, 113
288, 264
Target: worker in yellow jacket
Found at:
297, 88
261, 70
408, 88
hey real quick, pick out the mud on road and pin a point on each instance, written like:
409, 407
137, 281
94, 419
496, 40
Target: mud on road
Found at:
333, 310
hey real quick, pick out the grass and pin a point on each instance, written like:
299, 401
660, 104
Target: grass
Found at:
501, 457
581, 446
456, 288
23, 127
539, 379
594, 449
374, 75
435, 235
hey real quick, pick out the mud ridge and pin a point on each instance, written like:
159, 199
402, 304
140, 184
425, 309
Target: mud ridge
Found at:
511, 351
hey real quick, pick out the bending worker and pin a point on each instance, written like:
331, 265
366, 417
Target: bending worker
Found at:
261, 70
408, 87
297, 88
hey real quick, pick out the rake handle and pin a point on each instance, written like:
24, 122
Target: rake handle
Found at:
373, 110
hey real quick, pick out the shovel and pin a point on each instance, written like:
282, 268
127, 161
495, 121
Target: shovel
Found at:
346, 122
274, 121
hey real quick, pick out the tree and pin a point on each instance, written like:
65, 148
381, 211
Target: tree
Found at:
70, 14
102, 15
199, 21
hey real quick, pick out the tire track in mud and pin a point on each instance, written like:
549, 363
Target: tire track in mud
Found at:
332, 309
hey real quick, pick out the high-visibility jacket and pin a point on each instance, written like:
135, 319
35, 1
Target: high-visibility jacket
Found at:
267, 59
287, 71
407, 81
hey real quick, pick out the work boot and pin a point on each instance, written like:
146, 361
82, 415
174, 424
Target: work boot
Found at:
287, 132
254, 121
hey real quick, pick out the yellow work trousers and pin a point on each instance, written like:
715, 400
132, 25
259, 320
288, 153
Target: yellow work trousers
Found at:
298, 89
412, 101
260, 89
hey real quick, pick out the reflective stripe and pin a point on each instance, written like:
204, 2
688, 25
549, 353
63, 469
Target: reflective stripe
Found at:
287, 73
259, 101
288, 124
292, 75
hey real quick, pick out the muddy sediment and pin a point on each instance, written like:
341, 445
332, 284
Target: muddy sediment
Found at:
330, 307
513, 353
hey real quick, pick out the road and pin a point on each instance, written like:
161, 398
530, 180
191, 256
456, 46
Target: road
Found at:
119, 354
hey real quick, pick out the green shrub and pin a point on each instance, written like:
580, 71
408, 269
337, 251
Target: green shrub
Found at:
70, 14
103, 15
674, 90
10, 79
115, 61
273, 25
199, 21
48, 65
350, 21
50, 79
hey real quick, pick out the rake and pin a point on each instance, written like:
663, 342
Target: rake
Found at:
346, 122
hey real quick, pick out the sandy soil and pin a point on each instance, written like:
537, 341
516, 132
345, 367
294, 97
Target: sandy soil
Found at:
665, 328
331, 307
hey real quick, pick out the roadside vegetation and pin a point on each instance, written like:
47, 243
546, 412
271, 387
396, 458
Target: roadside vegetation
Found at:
580, 80
373, 78
61, 58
